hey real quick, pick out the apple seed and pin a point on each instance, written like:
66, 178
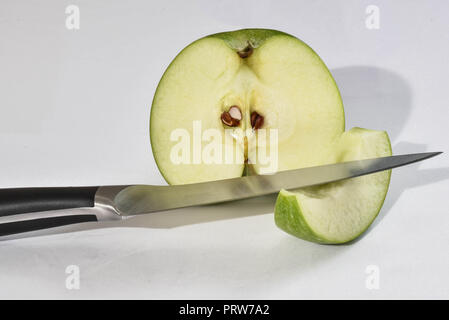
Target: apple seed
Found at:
254, 115
232, 117
256, 120
259, 123
235, 113
226, 118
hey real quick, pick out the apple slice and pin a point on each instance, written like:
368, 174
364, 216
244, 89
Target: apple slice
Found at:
276, 81
338, 212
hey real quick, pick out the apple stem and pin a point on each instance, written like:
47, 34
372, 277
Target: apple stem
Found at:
246, 52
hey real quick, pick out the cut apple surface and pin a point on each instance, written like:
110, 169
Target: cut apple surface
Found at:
338, 212
263, 72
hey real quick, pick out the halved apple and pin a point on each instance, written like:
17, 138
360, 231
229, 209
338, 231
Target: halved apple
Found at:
264, 72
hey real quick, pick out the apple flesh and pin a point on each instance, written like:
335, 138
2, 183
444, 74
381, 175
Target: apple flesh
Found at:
264, 71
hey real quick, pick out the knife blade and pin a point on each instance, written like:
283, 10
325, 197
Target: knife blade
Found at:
30, 209
134, 200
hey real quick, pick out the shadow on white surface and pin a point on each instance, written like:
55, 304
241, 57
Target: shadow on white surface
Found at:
409, 177
374, 98
158, 267
173, 218
379, 99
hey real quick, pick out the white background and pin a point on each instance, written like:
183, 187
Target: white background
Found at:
74, 110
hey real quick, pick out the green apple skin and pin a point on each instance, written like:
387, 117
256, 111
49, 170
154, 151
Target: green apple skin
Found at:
239, 39
301, 69
289, 218
294, 210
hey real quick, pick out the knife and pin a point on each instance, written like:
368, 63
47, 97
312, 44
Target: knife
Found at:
32, 209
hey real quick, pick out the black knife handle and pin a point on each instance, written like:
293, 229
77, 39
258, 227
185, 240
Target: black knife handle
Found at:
27, 200
25, 225
25, 209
